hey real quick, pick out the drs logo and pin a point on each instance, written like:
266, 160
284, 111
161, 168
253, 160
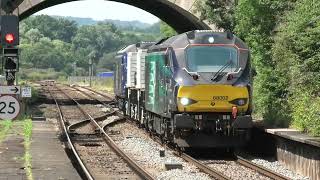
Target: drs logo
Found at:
9, 107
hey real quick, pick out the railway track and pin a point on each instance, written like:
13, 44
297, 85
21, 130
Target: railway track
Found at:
63, 126
76, 139
199, 164
260, 169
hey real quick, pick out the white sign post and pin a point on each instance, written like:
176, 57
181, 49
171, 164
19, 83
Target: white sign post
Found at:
9, 89
9, 107
26, 91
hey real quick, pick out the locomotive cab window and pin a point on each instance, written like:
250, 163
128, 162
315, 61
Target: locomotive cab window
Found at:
212, 58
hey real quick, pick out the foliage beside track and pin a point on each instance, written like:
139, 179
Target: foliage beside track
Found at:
5, 126
284, 41
297, 53
166, 30
27, 132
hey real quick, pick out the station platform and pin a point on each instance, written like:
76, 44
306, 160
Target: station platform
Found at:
289, 146
295, 135
49, 159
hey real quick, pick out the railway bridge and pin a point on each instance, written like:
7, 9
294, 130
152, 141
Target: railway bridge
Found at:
177, 13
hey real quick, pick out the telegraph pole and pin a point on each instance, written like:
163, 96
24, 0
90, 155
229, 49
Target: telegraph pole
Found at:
92, 57
90, 71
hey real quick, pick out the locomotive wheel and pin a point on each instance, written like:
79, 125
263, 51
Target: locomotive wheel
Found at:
124, 110
132, 113
146, 121
150, 122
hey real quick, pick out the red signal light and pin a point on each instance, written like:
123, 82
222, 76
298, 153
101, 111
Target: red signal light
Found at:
9, 38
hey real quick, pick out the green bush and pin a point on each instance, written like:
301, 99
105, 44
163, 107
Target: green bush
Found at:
297, 52
40, 74
255, 21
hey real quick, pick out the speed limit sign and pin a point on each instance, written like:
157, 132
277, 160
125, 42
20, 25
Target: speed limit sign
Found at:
9, 107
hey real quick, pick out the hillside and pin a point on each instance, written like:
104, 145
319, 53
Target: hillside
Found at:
136, 26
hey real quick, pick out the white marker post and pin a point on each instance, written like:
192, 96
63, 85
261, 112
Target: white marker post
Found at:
26, 92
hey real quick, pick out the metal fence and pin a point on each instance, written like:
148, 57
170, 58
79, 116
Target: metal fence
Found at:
86, 80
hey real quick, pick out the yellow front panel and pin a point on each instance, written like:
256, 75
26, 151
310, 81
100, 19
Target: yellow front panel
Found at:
204, 95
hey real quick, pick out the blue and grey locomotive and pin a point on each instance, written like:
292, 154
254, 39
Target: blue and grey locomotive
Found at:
193, 89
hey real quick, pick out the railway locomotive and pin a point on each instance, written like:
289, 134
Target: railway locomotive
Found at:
193, 89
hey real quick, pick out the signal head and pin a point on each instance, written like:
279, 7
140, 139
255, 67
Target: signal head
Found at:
9, 38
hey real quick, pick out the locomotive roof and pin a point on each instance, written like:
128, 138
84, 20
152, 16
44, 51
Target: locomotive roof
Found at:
135, 47
199, 37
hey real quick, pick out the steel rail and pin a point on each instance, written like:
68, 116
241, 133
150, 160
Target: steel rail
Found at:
107, 105
97, 92
260, 169
90, 96
204, 168
212, 172
87, 121
70, 144
138, 169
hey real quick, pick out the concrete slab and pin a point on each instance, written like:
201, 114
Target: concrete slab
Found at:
11, 157
49, 160
295, 135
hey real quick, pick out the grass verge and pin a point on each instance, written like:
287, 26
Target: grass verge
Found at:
5, 126
27, 132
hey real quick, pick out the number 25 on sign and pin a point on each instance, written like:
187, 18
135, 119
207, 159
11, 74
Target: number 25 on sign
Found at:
9, 107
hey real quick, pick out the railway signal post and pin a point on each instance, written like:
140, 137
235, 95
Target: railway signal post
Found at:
10, 64
9, 43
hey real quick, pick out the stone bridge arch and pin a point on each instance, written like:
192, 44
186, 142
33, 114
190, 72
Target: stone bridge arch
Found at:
176, 13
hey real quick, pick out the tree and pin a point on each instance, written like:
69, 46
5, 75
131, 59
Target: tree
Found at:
56, 44
166, 30
54, 28
66, 30
256, 22
296, 52
101, 38
217, 12
32, 36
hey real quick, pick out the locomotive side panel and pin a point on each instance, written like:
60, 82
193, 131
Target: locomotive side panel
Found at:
117, 79
120, 77
141, 68
155, 91
131, 69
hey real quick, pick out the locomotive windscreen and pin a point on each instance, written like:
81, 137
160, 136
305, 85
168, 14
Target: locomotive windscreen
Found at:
212, 58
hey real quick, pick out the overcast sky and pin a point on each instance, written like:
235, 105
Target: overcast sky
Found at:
100, 10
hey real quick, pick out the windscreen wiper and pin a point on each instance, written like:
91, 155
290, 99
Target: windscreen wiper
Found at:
217, 74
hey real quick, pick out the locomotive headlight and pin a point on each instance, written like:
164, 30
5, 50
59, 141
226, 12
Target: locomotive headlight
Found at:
211, 39
239, 102
187, 101
184, 101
